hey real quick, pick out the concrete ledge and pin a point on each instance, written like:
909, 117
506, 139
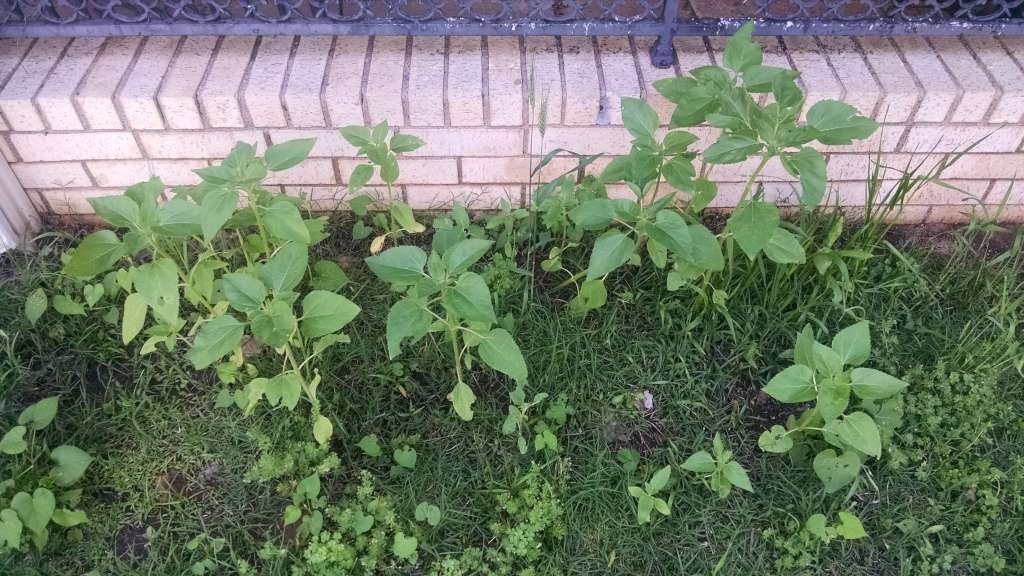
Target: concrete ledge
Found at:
84, 117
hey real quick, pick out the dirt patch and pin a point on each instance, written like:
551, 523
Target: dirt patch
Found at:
644, 433
177, 484
131, 542
758, 410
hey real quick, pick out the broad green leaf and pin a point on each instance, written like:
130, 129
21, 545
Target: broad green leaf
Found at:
775, 440
736, 475
462, 399
640, 119
594, 214
429, 513
370, 445
404, 547
10, 529
283, 221
464, 254
405, 457
39, 415
835, 471
275, 325
215, 339
180, 218
328, 276
859, 431
741, 51
66, 306
784, 248
322, 430
833, 396
816, 525
792, 385
69, 518
361, 174
405, 143
850, 527
470, 299
134, 317
71, 464
753, 224
36, 510
284, 389
826, 360
705, 251
13, 442
700, 462
358, 136
95, 255
286, 267
403, 215
803, 350
853, 343
592, 296
731, 149
245, 292
499, 351
838, 123
399, 265
217, 207
406, 319
325, 312
677, 141
871, 384
704, 191
118, 211
809, 165
670, 230
659, 480
610, 252
35, 305
288, 154
93, 293
157, 283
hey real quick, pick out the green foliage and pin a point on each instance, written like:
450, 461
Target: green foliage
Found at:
34, 498
442, 284
718, 471
647, 499
830, 376
544, 428
803, 545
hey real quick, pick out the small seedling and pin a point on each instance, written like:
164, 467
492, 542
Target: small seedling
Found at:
647, 499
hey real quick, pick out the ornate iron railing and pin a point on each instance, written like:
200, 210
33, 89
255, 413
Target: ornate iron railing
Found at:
661, 18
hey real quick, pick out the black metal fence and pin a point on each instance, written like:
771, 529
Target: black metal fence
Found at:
661, 18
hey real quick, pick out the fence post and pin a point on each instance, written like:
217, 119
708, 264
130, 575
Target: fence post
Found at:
662, 53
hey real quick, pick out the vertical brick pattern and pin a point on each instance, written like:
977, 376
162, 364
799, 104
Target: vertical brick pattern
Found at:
87, 117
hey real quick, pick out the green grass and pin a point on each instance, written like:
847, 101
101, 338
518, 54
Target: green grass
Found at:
169, 463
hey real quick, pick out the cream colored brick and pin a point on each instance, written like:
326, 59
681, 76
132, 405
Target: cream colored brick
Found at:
423, 197
177, 95
203, 144
426, 93
311, 171
860, 89
900, 93
1009, 105
940, 90
976, 91
12, 50
218, 96
1007, 214
956, 192
262, 91
583, 106
620, 75
121, 173
692, 52
343, 91
465, 81
37, 202
95, 96
51, 174
74, 201
909, 215
819, 81
994, 166
584, 140
319, 198
7, 151
137, 96
649, 75
1010, 191
951, 214
542, 61
941, 138
512, 170
55, 98
411, 170
445, 142
383, 88
849, 166
75, 146
504, 80
305, 80
16, 96
329, 143
885, 139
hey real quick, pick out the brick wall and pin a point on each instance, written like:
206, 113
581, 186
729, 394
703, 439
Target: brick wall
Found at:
87, 117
